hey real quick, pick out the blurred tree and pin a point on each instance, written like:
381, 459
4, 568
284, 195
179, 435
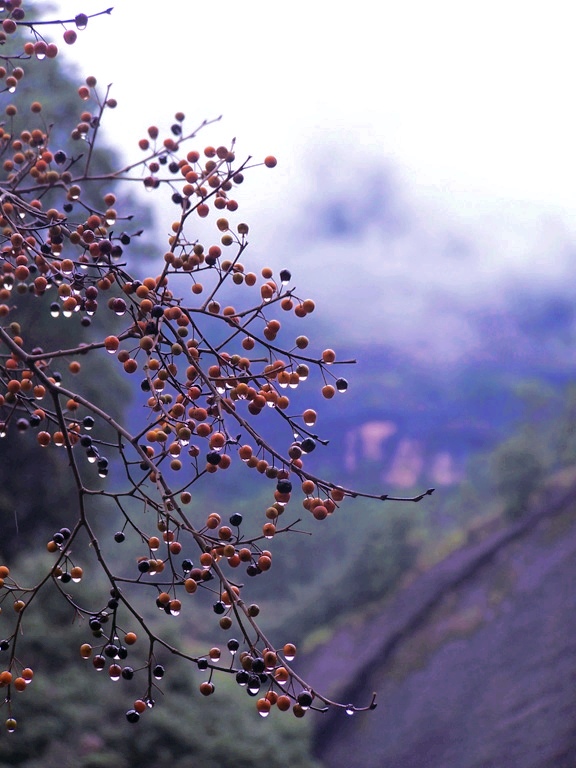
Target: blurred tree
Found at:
518, 472
68, 724
33, 502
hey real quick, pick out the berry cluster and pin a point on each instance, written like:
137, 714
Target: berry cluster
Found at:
211, 346
39, 48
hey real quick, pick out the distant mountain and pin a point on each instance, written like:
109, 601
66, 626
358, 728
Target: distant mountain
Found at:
403, 423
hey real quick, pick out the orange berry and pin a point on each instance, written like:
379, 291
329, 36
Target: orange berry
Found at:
203, 430
263, 706
225, 533
270, 659
43, 438
245, 452
190, 586
320, 512
21, 272
272, 697
163, 598
330, 505
147, 343
283, 703
206, 560
328, 356
130, 366
267, 292
217, 440
309, 416
225, 461
308, 487
309, 306
281, 675
337, 494
289, 651
111, 343
328, 391
227, 599
130, 638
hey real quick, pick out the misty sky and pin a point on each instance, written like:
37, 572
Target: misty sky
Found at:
426, 152
462, 97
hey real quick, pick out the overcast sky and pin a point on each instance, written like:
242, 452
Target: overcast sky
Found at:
463, 97
469, 106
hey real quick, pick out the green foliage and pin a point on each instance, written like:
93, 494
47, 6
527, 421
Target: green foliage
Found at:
35, 489
71, 715
346, 570
518, 472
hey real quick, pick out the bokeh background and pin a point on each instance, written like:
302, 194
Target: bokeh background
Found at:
424, 197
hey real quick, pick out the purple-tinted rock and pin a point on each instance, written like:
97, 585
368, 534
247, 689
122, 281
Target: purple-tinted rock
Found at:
474, 661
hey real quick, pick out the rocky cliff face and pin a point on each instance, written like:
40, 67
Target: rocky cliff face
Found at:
474, 662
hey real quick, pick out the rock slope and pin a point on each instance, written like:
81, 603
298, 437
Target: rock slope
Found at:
474, 661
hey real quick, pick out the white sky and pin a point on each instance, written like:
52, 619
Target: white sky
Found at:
462, 97
470, 105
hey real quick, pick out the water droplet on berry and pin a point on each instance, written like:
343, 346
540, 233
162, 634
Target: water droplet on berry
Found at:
253, 685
